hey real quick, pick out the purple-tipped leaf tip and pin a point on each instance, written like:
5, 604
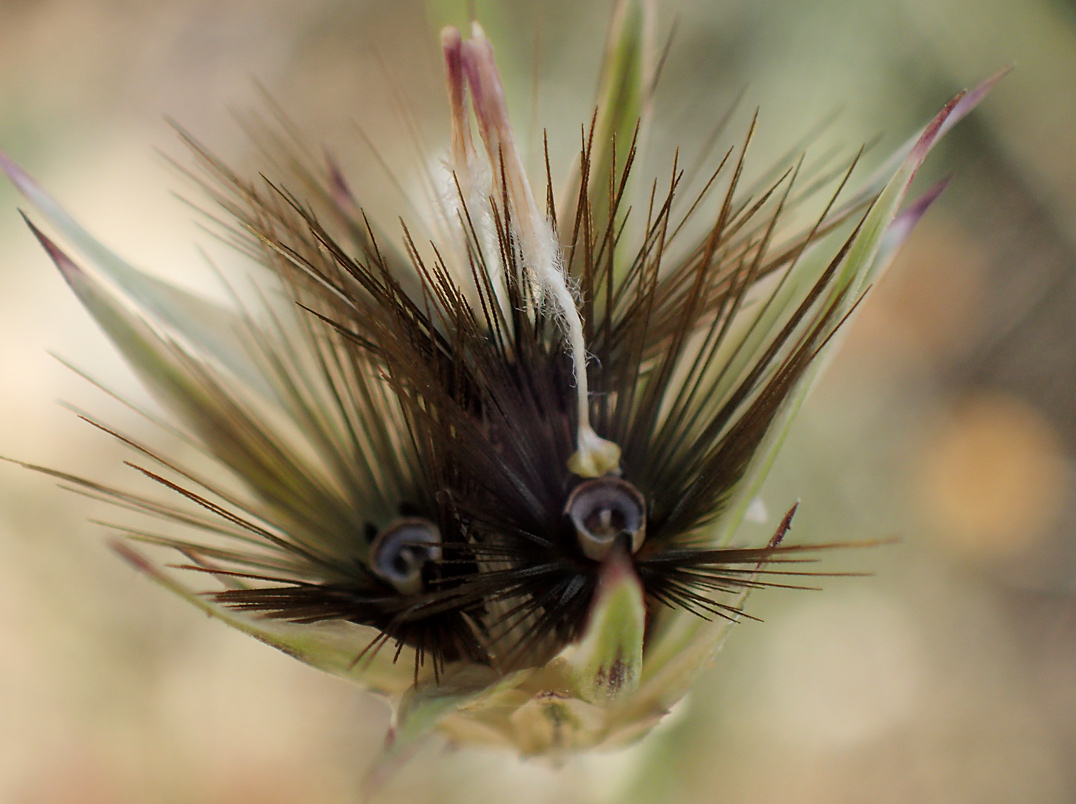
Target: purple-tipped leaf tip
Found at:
19, 177
906, 221
955, 111
933, 130
68, 268
341, 192
134, 558
922, 204
972, 98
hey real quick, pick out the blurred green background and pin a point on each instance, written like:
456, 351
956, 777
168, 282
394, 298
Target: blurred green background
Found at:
949, 419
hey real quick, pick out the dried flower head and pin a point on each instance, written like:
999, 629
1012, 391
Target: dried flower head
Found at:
493, 471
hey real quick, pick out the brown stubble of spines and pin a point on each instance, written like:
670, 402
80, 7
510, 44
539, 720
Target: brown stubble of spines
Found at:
483, 392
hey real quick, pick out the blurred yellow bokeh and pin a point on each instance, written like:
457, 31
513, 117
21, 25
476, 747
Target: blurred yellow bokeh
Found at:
994, 477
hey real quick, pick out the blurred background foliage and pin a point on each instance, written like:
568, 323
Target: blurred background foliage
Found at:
949, 419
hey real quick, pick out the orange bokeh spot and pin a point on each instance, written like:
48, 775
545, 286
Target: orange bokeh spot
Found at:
992, 476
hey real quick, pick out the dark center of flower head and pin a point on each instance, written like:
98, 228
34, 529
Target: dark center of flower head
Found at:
605, 511
400, 551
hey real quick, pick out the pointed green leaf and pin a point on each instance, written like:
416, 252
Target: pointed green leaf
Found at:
144, 347
870, 252
624, 95
882, 175
264, 451
625, 91
210, 329
889, 184
682, 649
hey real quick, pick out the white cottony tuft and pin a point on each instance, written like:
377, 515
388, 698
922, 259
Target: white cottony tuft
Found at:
473, 62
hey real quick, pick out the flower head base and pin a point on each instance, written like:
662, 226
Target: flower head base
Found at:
495, 477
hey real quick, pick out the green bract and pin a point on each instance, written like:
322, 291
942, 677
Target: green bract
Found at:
494, 475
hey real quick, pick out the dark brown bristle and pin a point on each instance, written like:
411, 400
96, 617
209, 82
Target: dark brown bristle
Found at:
433, 379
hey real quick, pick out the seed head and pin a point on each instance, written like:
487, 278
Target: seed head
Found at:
495, 476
